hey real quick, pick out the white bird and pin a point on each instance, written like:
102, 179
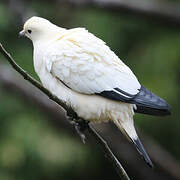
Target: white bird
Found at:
87, 75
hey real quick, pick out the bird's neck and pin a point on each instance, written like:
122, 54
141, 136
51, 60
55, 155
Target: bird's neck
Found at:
50, 36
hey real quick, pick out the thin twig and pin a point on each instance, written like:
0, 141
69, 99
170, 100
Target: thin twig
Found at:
112, 158
107, 151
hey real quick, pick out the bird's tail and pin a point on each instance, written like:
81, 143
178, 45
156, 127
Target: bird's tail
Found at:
127, 128
142, 151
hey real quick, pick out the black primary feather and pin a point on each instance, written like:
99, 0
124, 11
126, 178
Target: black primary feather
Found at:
146, 101
118, 95
149, 103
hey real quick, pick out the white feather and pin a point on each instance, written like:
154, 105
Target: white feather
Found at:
95, 69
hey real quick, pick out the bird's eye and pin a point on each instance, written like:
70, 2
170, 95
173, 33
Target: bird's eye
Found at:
29, 31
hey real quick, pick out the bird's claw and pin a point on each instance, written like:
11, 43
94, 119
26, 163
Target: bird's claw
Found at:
80, 133
80, 126
70, 119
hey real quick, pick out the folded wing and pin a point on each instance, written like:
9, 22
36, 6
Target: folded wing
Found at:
86, 65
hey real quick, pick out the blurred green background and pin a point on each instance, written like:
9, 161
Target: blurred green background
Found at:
30, 148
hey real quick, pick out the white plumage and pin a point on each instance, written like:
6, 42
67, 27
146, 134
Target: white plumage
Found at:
76, 66
85, 64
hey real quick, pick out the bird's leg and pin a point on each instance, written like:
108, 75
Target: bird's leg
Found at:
79, 125
78, 129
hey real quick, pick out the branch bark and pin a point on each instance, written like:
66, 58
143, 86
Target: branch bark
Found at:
161, 10
108, 153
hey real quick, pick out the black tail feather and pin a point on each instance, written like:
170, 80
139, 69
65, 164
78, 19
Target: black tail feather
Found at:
142, 151
136, 141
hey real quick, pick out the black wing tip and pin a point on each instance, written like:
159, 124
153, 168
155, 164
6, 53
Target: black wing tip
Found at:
143, 152
152, 111
167, 110
151, 104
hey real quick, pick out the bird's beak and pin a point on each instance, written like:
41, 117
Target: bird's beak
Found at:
21, 33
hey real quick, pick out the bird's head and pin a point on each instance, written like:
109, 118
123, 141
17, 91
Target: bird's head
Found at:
39, 29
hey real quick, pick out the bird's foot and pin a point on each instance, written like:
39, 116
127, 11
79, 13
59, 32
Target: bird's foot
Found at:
80, 126
77, 127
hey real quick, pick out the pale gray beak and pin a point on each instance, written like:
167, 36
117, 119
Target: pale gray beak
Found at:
21, 33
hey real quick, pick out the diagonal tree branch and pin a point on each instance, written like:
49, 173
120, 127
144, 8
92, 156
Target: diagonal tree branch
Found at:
159, 10
107, 151
35, 82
